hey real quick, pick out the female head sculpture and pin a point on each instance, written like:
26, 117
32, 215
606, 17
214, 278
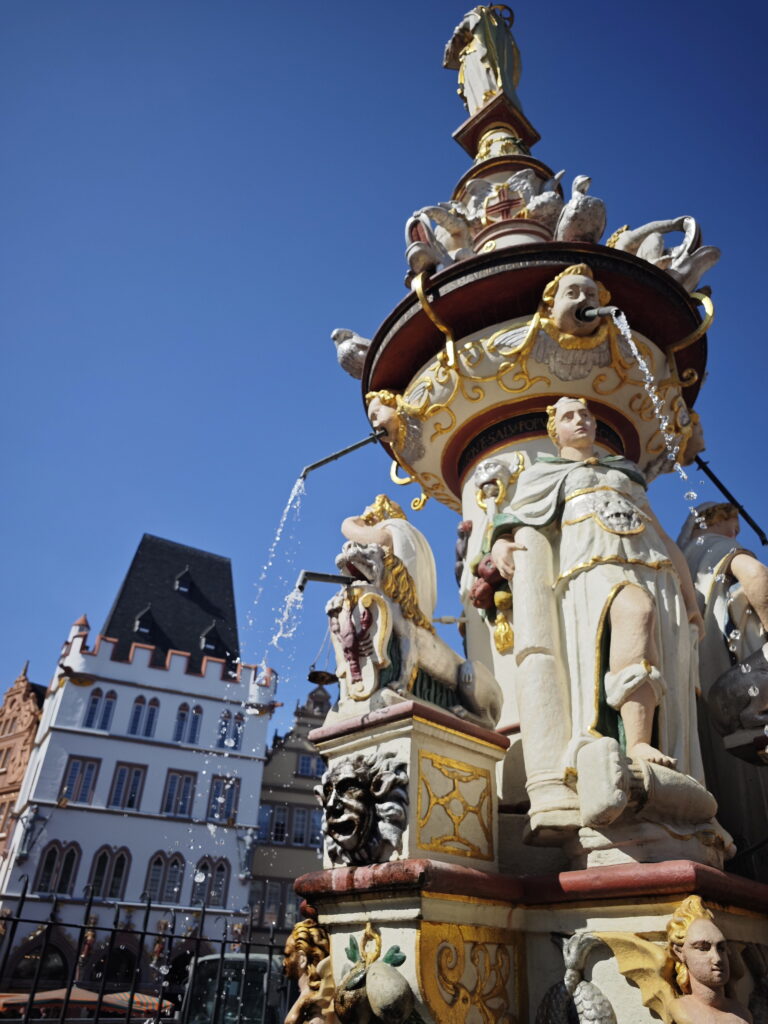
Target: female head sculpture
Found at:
697, 947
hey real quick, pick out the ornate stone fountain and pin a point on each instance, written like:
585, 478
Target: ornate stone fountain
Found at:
547, 782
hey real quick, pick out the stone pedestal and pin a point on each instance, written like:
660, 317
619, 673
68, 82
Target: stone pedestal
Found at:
451, 766
482, 946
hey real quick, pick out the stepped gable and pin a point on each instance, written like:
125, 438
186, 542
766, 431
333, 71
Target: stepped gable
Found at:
176, 598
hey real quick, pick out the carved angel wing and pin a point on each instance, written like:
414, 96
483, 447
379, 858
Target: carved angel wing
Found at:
647, 966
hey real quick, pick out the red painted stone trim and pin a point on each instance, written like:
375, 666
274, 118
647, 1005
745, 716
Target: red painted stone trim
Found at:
408, 709
617, 881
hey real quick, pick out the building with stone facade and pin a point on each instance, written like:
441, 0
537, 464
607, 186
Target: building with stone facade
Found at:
19, 719
289, 837
144, 779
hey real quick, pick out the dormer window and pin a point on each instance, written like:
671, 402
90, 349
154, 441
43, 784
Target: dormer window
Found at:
183, 582
210, 641
144, 622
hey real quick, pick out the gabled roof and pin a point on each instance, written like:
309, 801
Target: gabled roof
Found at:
151, 608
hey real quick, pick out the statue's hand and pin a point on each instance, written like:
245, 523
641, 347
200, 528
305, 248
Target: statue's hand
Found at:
695, 619
465, 675
503, 556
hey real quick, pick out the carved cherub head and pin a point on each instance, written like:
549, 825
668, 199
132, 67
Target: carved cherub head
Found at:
305, 947
389, 411
385, 413
697, 946
571, 291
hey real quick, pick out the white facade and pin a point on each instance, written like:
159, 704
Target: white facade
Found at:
143, 780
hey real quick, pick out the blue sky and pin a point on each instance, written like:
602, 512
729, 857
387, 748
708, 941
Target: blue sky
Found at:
194, 194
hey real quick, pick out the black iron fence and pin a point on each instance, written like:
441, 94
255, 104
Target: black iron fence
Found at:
212, 971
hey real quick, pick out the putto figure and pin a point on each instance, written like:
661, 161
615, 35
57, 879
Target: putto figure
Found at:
571, 347
624, 594
308, 962
364, 800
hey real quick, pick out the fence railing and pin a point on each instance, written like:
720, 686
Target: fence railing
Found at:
68, 970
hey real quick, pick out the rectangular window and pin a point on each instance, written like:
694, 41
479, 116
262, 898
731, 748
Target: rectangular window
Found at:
291, 915
316, 833
272, 903
279, 824
127, 785
306, 765
4, 759
179, 794
299, 826
265, 823
79, 780
222, 803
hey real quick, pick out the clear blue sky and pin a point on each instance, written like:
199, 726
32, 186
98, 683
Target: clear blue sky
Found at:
194, 194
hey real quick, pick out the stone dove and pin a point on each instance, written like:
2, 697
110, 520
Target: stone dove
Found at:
351, 350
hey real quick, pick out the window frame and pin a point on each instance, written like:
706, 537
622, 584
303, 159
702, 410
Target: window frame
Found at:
87, 764
174, 794
131, 770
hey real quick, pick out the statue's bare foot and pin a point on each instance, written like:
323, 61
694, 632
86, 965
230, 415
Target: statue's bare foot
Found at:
645, 752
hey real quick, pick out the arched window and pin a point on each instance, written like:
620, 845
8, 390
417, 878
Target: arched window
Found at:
107, 711
151, 721
58, 866
53, 968
48, 863
223, 735
180, 727
200, 883
119, 875
137, 713
194, 725
67, 873
219, 884
92, 711
99, 873
173, 880
155, 876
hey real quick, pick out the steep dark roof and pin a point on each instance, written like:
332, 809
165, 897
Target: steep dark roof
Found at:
176, 598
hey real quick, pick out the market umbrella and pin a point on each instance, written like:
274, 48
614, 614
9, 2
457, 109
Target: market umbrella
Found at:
142, 1003
52, 997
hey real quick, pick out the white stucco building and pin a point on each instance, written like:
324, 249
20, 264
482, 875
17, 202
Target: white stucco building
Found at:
145, 775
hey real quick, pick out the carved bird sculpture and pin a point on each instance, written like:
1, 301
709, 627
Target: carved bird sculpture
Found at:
547, 206
583, 217
452, 231
574, 1000
351, 350
525, 183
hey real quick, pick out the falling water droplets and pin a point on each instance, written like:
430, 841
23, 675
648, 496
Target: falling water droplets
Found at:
670, 440
690, 495
200, 877
753, 691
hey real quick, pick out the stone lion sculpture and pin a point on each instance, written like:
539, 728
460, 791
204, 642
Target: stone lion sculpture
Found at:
387, 642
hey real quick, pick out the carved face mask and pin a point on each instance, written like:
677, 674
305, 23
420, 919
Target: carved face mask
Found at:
349, 810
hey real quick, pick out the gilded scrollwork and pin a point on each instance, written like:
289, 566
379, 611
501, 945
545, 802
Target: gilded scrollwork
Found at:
454, 807
469, 973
